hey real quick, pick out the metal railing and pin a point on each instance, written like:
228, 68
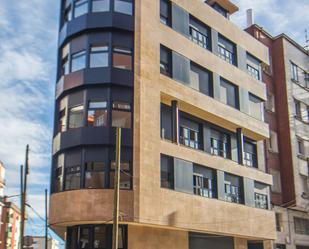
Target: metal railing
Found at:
199, 38
226, 55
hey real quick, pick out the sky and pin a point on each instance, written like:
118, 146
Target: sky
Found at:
28, 48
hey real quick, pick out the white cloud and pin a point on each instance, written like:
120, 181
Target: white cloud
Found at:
276, 16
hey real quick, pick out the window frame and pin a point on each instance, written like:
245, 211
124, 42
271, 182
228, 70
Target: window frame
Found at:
72, 170
122, 107
76, 56
124, 52
105, 109
76, 5
130, 2
166, 67
101, 49
82, 111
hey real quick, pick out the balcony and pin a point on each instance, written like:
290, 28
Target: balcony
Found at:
199, 38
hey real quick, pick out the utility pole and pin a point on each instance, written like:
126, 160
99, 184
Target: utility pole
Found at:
116, 188
21, 201
46, 220
24, 196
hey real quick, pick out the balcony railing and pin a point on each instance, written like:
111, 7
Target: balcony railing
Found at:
226, 55
199, 38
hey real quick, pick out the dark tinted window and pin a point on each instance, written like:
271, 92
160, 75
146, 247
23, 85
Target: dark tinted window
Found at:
165, 61
167, 172
228, 93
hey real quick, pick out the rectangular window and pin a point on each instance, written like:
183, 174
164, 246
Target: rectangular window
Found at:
300, 147
65, 60
204, 182
261, 200
100, 240
298, 113
276, 187
227, 50
58, 187
80, 8
124, 7
76, 117
100, 5
167, 172
255, 107
122, 58
200, 79
253, 66
233, 189
199, 33
220, 144
221, 10
165, 12
67, 14
94, 175
121, 115
165, 61
280, 246
62, 121
98, 56
189, 137
84, 238
301, 226
228, 93
166, 122
250, 154
294, 69
78, 61
279, 222
97, 114
125, 175
72, 178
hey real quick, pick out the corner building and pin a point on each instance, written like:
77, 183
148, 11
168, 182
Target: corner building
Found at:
185, 84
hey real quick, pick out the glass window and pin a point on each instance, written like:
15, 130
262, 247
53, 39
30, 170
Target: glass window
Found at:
228, 93
98, 56
279, 222
121, 115
165, 61
58, 187
261, 201
122, 58
99, 240
253, 66
250, 154
204, 183
124, 7
189, 137
80, 8
253, 72
220, 10
227, 50
94, 175
300, 146
166, 122
78, 61
62, 121
255, 107
76, 116
97, 114
67, 16
165, 12
233, 189
294, 69
65, 60
199, 33
280, 246
220, 144
200, 79
84, 238
125, 175
100, 5
167, 172
298, 113
301, 226
72, 178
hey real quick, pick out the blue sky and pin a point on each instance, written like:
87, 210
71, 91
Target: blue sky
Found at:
28, 41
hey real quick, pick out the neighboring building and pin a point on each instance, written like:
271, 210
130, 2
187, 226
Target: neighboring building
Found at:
39, 243
10, 235
2, 185
185, 85
287, 112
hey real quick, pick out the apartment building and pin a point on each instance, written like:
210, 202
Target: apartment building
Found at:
185, 84
10, 235
2, 185
287, 150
